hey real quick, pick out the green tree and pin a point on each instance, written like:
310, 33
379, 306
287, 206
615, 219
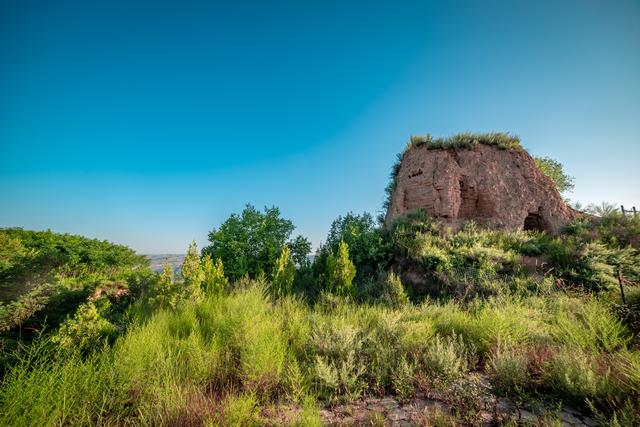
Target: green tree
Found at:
191, 269
300, 249
214, 278
250, 243
192, 272
554, 170
393, 293
340, 271
165, 292
284, 273
367, 247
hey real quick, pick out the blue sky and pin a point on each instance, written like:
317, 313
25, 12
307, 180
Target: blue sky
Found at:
149, 123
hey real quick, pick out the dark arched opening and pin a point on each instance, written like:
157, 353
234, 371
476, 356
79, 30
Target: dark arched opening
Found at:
534, 221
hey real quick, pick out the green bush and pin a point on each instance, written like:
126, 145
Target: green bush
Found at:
86, 330
340, 272
446, 358
508, 367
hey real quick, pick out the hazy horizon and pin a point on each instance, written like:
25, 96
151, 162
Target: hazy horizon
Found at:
149, 124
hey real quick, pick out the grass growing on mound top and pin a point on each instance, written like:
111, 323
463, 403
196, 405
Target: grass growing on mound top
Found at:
501, 140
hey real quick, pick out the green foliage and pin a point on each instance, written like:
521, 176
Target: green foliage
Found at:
250, 243
241, 411
393, 293
27, 254
554, 170
300, 249
165, 292
340, 271
239, 351
215, 282
446, 358
368, 249
46, 277
588, 325
192, 273
86, 330
525, 308
284, 274
191, 268
508, 366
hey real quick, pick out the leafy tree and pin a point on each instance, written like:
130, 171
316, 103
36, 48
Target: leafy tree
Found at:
192, 271
300, 249
284, 274
554, 170
191, 268
250, 243
367, 247
340, 271
214, 278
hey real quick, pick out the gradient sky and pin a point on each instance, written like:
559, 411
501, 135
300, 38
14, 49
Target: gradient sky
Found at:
149, 123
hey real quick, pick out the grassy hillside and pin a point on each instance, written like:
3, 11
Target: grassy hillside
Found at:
46, 277
469, 320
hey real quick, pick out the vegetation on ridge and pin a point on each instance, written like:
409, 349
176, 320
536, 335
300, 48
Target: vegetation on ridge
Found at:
539, 316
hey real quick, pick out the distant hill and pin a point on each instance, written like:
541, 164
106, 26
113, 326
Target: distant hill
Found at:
174, 260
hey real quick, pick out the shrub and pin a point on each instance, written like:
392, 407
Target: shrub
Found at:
338, 373
393, 293
574, 377
403, 379
214, 281
241, 410
446, 358
86, 330
340, 271
284, 274
508, 366
387, 290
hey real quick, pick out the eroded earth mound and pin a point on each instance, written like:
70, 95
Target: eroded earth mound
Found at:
496, 187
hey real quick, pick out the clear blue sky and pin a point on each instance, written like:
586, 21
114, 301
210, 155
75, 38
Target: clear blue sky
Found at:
149, 123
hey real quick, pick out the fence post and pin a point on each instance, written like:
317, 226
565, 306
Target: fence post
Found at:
622, 209
624, 301
634, 211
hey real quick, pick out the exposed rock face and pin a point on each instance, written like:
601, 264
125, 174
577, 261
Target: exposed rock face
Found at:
497, 188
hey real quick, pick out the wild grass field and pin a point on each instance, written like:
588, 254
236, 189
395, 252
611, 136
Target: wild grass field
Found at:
488, 324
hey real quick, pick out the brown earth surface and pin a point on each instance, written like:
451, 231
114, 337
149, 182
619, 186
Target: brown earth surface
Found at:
497, 188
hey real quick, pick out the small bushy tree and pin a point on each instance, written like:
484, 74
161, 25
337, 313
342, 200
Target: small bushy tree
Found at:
214, 279
86, 330
554, 170
284, 274
165, 291
192, 272
393, 293
340, 271
367, 248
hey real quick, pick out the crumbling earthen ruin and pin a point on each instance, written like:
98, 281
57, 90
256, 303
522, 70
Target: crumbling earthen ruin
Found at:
496, 187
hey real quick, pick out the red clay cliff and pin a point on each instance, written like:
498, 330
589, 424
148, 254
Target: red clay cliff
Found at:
496, 187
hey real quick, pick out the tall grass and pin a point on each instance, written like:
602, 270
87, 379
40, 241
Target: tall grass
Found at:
226, 359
